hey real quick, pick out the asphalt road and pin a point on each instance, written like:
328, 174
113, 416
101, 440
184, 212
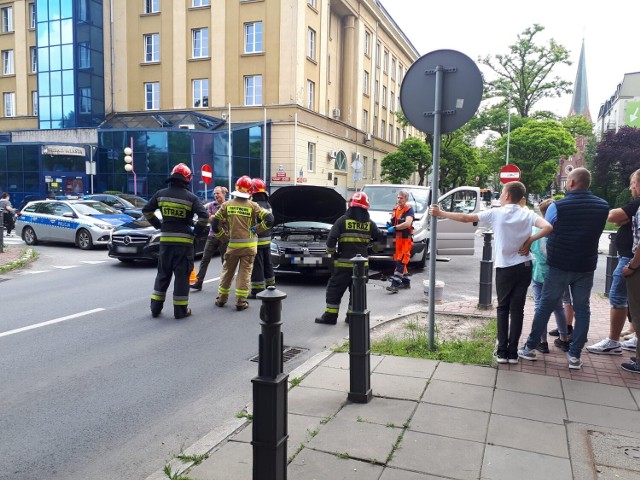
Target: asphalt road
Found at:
94, 388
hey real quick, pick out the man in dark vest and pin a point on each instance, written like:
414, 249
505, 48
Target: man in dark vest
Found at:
572, 255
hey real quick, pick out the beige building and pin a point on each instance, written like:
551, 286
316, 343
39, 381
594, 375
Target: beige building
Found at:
324, 76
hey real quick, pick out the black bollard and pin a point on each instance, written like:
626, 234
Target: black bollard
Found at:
486, 274
612, 263
1, 232
359, 340
270, 430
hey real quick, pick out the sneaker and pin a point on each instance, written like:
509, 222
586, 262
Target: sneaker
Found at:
543, 347
575, 363
501, 359
628, 336
513, 361
526, 353
606, 347
630, 344
631, 367
555, 333
561, 344
633, 360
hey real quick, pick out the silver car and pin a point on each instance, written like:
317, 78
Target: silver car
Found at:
85, 223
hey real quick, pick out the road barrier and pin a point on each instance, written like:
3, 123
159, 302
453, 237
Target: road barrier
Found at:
359, 339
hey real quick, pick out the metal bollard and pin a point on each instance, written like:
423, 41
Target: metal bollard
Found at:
486, 274
612, 263
270, 430
1, 232
359, 340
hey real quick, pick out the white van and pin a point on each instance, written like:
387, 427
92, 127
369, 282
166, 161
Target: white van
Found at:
453, 238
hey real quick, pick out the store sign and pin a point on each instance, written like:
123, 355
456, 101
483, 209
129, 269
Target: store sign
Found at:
67, 150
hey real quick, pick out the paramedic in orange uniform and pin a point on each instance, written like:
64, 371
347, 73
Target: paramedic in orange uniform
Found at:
401, 225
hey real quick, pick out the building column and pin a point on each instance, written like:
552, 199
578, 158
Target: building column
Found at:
349, 63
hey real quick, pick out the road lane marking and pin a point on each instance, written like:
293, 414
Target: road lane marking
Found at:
93, 262
50, 322
64, 267
212, 280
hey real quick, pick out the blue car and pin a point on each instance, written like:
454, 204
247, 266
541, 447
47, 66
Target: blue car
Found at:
85, 223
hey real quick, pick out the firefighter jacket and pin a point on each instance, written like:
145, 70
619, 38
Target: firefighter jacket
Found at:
177, 205
264, 237
351, 236
398, 216
240, 215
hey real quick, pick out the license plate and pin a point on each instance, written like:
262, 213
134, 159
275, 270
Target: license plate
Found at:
306, 260
127, 249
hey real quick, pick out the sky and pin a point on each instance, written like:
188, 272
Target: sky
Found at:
611, 34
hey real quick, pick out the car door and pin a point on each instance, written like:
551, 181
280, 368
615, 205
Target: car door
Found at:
43, 220
65, 223
457, 238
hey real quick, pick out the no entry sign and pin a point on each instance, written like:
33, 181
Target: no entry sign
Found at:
509, 173
207, 175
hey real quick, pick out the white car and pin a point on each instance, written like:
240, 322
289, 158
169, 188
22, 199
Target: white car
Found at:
84, 223
453, 238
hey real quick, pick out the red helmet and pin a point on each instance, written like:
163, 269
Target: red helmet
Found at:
243, 187
359, 199
258, 186
180, 172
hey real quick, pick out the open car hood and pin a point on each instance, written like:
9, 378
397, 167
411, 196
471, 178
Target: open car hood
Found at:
297, 203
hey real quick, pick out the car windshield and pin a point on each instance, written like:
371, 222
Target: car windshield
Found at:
94, 208
384, 197
134, 200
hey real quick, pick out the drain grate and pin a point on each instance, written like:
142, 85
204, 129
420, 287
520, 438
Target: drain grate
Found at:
287, 353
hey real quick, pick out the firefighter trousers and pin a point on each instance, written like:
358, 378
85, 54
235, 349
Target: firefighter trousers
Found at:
244, 265
262, 275
173, 261
339, 282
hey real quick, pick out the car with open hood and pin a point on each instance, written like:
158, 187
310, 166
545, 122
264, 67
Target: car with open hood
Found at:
303, 217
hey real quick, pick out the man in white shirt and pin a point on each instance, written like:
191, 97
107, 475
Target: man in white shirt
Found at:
512, 229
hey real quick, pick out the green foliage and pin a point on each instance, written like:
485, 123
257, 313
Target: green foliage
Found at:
578, 125
524, 74
396, 168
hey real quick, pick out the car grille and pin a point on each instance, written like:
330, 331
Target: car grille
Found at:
133, 240
312, 249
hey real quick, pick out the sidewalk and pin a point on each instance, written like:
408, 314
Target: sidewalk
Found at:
430, 419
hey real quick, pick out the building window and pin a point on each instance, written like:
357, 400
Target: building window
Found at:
375, 124
9, 104
311, 157
311, 95
392, 102
7, 62
32, 15
400, 73
367, 43
152, 47
201, 3
312, 3
311, 43
152, 96
341, 161
390, 133
385, 62
376, 95
365, 121
378, 54
365, 163
384, 96
33, 55
365, 86
7, 19
253, 90
34, 102
151, 6
201, 93
397, 135
374, 168
84, 55
85, 100
200, 40
253, 37
393, 68
383, 130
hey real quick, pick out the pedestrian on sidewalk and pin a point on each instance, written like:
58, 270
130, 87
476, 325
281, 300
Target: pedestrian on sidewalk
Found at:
245, 220
178, 205
262, 275
214, 243
623, 217
578, 220
630, 273
540, 269
512, 226
8, 212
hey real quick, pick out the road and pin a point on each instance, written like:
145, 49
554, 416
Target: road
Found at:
94, 388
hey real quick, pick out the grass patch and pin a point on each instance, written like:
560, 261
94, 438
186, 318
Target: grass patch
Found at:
477, 348
27, 256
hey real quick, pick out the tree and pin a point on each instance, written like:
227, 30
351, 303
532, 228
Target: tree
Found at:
414, 150
617, 157
536, 148
578, 125
457, 158
524, 74
396, 168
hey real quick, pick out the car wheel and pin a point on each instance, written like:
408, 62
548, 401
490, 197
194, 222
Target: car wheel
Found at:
84, 240
29, 236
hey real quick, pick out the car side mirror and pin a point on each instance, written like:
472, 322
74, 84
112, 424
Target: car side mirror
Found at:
68, 215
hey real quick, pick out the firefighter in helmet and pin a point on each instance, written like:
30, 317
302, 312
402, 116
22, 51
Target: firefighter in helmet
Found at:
178, 205
262, 275
349, 236
245, 219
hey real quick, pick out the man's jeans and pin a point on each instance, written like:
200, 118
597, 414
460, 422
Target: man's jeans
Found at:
554, 285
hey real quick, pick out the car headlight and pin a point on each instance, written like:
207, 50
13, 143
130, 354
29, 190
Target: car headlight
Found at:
104, 226
274, 248
155, 238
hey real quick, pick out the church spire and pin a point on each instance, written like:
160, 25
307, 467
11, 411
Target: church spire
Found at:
580, 102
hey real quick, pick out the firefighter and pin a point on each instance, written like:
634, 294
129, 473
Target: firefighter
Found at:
177, 205
262, 275
401, 226
349, 236
245, 220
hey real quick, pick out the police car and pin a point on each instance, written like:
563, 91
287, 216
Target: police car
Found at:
85, 223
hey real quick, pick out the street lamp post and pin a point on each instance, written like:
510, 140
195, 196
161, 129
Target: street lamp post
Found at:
128, 165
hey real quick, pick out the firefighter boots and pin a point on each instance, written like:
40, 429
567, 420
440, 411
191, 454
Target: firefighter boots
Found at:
328, 318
